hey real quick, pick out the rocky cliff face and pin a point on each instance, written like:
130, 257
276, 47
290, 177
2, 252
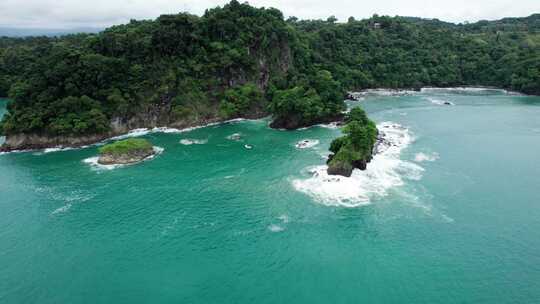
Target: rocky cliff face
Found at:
153, 116
346, 168
160, 114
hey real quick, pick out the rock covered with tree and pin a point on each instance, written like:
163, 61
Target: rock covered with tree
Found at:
127, 151
354, 150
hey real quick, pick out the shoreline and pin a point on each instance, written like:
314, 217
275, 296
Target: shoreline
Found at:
131, 133
359, 94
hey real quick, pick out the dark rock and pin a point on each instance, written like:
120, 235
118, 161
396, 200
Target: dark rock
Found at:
339, 168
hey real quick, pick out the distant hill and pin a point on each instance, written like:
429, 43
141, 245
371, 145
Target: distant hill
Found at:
26, 32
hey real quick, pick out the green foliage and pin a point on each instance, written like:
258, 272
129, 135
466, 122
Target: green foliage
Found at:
337, 143
238, 60
357, 144
238, 101
126, 146
319, 99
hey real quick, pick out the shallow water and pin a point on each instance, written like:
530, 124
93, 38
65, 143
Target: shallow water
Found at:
452, 217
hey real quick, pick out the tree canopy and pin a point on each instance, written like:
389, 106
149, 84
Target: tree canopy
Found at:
240, 61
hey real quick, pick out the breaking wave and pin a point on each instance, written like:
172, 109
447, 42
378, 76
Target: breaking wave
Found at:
468, 91
385, 171
306, 143
188, 141
383, 92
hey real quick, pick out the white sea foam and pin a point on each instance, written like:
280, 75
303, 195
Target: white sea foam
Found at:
235, 136
422, 157
59, 148
383, 92
275, 228
284, 218
332, 125
384, 172
15, 151
93, 161
306, 143
132, 133
62, 209
467, 90
188, 141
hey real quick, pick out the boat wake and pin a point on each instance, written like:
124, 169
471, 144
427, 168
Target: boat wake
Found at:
385, 171
440, 102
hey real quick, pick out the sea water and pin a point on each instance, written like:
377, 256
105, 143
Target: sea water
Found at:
449, 213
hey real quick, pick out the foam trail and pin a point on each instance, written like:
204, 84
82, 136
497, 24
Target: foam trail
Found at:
422, 157
440, 102
385, 171
62, 209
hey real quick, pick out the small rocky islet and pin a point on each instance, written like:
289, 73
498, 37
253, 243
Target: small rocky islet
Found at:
124, 152
355, 149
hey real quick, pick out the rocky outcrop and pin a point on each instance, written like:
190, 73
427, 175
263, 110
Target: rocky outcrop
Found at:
345, 168
39, 141
125, 158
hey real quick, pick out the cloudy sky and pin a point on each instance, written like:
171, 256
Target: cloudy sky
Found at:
101, 13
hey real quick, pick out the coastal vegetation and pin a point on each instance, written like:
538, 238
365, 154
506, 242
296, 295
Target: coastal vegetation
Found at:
126, 146
241, 61
355, 148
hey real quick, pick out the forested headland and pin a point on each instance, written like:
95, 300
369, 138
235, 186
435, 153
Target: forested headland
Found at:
240, 61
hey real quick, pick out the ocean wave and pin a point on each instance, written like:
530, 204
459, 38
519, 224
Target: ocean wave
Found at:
332, 125
422, 157
467, 91
131, 133
306, 143
383, 92
385, 171
93, 161
188, 141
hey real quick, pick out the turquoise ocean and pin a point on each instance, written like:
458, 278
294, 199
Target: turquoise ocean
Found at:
449, 214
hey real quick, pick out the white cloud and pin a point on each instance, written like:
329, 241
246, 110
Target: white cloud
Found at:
99, 13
